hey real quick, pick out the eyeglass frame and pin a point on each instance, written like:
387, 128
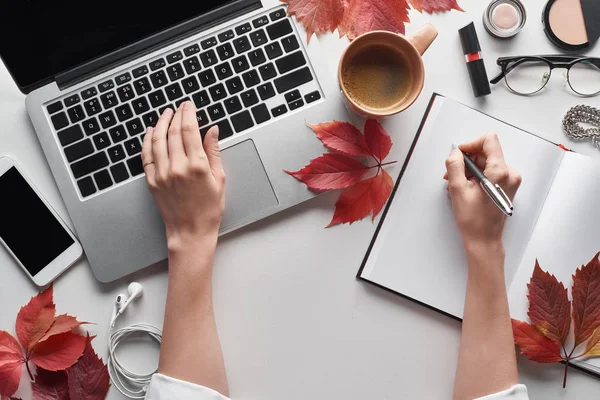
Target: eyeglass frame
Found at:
553, 62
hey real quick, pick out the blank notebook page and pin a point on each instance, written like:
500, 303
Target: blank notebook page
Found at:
418, 251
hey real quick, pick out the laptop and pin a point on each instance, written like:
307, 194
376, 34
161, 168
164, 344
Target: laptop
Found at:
97, 74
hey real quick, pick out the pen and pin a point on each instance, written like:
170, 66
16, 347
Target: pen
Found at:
494, 191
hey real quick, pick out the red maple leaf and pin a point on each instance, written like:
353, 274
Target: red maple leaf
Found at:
370, 15
11, 364
586, 300
549, 305
431, 6
88, 379
378, 141
50, 385
534, 344
317, 15
331, 171
342, 137
35, 318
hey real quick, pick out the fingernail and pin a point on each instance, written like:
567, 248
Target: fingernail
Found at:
148, 130
167, 111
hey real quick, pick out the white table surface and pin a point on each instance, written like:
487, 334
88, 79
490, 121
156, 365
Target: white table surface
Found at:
293, 320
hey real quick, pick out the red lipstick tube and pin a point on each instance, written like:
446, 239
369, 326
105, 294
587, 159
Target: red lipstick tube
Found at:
475, 64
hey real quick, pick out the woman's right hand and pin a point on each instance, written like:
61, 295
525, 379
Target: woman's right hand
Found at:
480, 222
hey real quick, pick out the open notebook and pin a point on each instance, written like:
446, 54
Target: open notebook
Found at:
417, 251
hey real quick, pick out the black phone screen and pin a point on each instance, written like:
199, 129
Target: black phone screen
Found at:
27, 226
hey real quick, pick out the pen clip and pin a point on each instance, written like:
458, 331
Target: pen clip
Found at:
506, 198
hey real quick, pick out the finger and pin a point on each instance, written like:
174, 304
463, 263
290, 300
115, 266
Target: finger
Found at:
490, 146
176, 151
190, 131
147, 161
160, 154
455, 165
211, 146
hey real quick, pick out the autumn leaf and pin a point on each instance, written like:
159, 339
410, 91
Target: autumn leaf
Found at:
377, 139
88, 379
342, 137
317, 15
50, 385
431, 6
534, 344
369, 15
586, 300
59, 351
364, 198
549, 306
11, 364
331, 171
35, 318
62, 323
592, 347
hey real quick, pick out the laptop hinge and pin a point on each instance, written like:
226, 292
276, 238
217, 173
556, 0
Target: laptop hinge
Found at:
156, 41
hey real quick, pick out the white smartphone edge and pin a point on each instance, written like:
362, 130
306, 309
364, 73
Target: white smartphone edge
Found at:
66, 259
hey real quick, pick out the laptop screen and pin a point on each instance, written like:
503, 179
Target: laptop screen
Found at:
41, 38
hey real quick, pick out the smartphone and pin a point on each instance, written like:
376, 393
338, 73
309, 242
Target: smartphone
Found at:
31, 230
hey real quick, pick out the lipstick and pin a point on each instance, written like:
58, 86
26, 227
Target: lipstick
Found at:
475, 64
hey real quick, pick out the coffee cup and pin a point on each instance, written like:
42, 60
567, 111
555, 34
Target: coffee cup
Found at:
381, 73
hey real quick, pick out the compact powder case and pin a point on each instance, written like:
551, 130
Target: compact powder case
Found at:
572, 24
504, 18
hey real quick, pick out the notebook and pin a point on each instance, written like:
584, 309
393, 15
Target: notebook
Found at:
417, 251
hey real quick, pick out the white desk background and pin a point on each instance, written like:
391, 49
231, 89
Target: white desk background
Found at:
293, 320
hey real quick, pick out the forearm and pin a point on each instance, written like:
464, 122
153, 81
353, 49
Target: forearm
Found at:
487, 360
191, 349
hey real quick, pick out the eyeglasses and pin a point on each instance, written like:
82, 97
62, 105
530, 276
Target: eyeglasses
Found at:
527, 75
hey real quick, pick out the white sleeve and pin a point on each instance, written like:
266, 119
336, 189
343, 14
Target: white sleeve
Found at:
517, 392
164, 387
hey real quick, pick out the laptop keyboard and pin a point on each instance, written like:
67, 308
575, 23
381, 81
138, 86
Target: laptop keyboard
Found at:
240, 78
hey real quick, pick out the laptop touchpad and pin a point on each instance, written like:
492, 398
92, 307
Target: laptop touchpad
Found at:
248, 190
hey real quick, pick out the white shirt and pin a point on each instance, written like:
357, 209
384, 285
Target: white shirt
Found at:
166, 388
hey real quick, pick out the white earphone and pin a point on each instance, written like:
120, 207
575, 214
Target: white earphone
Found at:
130, 384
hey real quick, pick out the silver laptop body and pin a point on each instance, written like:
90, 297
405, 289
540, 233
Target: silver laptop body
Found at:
119, 225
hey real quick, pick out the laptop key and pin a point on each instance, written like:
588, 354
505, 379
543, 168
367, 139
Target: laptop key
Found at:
90, 164
89, 92
233, 105
245, 28
150, 119
240, 64
278, 14
119, 172
157, 64
225, 51
107, 119
118, 134
296, 104
135, 165
293, 80
140, 105
70, 135
234, 85
116, 153
225, 36
249, 98
267, 71
223, 71
190, 84
258, 37
103, 179
261, 113
208, 58
124, 112
69, 101
59, 120
207, 77
192, 65
109, 100
164, 108
256, 57
105, 86
290, 62
159, 79
174, 91
54, 107
174, 57
92, 106
140, 71
123, 78
266, 91
125, 93
76, 114
142, 86
251, 78
133, 146
208, 43
202, 118
175, 72
216, 112
201, 99
79, 150
260, 21
273, 50
290, 43
193, 49
242, 121
242, 44
279, 110
91, 126
134, 127
157, 98
86, 186
225, 130
292, 96
101, 141
279, 29
217, 92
